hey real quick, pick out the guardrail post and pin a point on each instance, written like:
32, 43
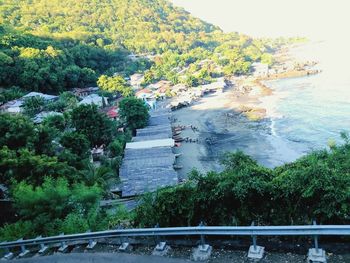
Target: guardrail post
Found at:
92, 243
63, 248
24, 251
43, 249
161, 248
8, 254
203, 251
316, 254
255, 252
125, 246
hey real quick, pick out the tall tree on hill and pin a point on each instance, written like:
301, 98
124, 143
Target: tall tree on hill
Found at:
93, 124
16, 131
134, 112
114, 84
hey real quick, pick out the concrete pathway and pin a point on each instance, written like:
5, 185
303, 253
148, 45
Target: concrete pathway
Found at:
99, 258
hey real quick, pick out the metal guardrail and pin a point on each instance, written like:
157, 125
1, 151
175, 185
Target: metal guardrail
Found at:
254, 231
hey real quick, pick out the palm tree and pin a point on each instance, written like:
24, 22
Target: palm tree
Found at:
98, 175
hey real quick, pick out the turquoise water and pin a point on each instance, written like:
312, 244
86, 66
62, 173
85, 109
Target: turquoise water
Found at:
312, 111
309, 112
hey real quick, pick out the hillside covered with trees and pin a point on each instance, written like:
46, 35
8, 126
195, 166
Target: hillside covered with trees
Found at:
51, 46
56, 46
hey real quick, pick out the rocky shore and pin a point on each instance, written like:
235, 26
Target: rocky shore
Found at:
236, 118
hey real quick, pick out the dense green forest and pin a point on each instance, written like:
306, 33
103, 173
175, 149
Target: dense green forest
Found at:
52, 181
52, 46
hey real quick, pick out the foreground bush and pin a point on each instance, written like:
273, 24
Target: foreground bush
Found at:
316, 186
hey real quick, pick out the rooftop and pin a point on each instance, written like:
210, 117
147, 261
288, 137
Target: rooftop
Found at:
39, 94
149, 159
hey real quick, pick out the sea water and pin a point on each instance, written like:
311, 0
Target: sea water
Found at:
307, 113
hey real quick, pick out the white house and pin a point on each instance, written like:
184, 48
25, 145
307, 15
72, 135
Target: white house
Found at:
93, 99
15, 106
46, 97
136, 80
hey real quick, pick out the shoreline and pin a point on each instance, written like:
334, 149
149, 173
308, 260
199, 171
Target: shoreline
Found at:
239, 118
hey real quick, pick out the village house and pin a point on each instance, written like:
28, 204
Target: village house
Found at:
136, 80
111, 112
161, 93
46, 97
15, 106
148, 162
83, 92
160, 84
148, 97
94, 99
144, 94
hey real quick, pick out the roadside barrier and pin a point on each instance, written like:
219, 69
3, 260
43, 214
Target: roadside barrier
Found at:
316, 254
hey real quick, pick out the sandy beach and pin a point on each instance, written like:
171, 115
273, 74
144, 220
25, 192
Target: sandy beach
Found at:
239, 118
220, 123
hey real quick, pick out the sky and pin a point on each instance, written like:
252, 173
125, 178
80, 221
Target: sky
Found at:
315, 19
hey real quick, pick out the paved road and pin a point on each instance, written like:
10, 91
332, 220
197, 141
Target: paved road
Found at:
100, 258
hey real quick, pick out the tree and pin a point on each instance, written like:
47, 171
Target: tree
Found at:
24, 165
66, 101
56, 198
100, 176
114, 84
115, 148
267, 59
134, 112
57, 122
97, 128
77, 143
43, 140
16, 131
11, 94
33, 105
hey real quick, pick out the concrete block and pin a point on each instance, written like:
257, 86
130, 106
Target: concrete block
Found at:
63, 248
43, 250
316, 256
161, 249
125, 247
8, 256
256, 253
91, 244
24, 253
202, 252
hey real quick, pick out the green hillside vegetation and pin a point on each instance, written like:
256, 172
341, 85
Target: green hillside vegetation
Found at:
47, 167
61, 44
314, 187
55, 46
